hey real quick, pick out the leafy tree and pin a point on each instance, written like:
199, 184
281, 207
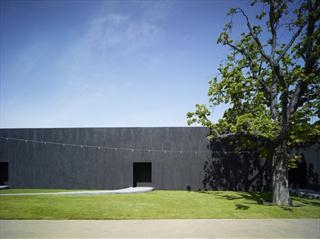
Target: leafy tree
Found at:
271, 83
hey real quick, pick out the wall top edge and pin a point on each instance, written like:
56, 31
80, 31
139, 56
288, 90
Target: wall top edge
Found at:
151, 127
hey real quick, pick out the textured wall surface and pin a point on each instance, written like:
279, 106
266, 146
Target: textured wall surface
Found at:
39, 165
180, 157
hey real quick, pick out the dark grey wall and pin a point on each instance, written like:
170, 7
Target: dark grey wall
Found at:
39, 165
188, 162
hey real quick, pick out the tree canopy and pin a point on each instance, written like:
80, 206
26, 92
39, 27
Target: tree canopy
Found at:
270, 81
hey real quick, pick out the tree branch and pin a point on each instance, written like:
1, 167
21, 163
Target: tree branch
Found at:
274, 33
293, 105
255, 38
223, 136
238, 133
289, 44
310, 61
258, 77
273, 30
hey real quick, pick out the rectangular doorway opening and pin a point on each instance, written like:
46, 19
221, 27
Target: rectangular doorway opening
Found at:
4, 173
142, 174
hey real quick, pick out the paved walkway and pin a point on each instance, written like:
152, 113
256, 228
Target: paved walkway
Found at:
89, 192
200, 228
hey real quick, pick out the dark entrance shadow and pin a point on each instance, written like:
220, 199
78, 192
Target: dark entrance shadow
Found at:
142, 173
298, 175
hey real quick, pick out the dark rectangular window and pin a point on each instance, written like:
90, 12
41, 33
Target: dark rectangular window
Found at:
4, 172
142, 173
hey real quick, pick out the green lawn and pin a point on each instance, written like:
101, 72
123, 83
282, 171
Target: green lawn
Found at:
6, 191
157, 204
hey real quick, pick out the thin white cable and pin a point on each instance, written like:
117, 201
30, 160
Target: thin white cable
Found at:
99, 147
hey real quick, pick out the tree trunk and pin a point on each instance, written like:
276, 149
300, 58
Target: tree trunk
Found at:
280, 184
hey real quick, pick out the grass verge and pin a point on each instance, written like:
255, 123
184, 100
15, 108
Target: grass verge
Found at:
154, 205
14, 191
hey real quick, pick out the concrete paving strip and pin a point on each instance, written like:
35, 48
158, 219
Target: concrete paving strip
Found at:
89, 192
198, 228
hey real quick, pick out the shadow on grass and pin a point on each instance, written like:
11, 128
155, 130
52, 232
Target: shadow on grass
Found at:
306, 201
287, 209
231, 197
251, 197
317, 204
260, 198
241, 207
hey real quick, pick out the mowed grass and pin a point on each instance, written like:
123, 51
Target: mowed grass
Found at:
10, 191
154, 205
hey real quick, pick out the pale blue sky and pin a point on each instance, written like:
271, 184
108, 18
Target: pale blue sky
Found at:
108, 63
